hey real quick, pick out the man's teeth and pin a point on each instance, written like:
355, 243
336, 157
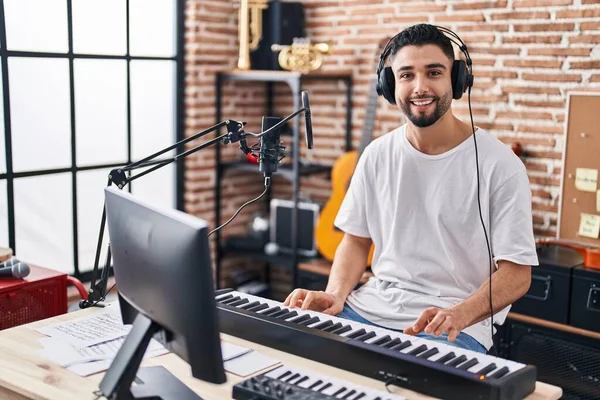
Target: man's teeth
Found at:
422, 103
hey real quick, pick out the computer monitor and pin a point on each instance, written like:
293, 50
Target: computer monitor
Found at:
161, 261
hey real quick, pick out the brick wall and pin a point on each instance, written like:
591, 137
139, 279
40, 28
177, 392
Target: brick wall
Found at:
527, 56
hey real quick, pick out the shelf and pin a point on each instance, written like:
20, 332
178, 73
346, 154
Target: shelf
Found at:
283, 170
321, 266
282, 76
280, 259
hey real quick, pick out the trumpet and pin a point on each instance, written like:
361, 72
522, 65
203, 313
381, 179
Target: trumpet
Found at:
250, 29
301, 55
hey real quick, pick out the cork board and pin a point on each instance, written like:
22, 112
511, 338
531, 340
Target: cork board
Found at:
581, 162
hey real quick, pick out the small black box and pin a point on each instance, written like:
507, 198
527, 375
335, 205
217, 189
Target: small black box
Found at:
549, 294
585, 299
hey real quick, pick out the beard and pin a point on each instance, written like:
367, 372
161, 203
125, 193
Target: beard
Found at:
423, 119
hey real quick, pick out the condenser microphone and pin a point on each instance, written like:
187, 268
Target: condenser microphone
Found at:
16, 269
270, 149
307, 120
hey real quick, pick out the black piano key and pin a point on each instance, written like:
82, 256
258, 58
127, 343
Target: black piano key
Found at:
429, 353
325, 386
366, 336
299, 381
394, 342
360, 396
339, 391
356, 334
323, 325
230, 300
487, 369
469, 364
314, 385
446, 357
333, 327
300, 319
226, 297
310, 321
286, 373
457, 361
252, 304
287, 315
417, 350
500, 373
283, 311
382, 340
258, 308
377, 398
296, 375
350, 393
238, 302
343, 329
271, 311
401, 346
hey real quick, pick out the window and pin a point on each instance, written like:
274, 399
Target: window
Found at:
86, 87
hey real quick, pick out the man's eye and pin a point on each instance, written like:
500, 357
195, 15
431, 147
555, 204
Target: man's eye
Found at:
435, 73
404, 76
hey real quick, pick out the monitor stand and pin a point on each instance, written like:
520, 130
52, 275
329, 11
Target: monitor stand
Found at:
161, 384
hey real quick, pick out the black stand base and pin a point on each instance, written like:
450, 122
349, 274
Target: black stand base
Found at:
158, 383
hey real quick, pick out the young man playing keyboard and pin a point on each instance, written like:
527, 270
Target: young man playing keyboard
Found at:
414, 195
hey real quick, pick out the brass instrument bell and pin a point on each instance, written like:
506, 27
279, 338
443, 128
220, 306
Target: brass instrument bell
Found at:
301, 55
250, 29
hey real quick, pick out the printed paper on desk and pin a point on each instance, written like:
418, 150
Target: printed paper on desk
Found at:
98, 327
249, 364
90, 368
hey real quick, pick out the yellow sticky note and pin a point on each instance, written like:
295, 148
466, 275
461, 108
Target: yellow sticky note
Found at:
589, 225
598, 201
586, 179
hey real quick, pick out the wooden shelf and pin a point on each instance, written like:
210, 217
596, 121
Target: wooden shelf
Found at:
323, 267
553, 325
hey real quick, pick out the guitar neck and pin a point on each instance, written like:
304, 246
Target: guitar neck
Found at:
367, 134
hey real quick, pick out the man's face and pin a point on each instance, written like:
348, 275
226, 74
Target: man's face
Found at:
423, 83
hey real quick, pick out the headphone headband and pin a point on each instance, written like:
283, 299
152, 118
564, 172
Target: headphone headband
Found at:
457, 41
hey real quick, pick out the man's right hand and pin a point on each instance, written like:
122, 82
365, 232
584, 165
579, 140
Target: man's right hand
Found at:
326, 303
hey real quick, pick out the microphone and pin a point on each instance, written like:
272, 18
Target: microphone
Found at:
14, 269
307, 120
270, 149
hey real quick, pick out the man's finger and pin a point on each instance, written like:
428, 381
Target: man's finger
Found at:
453, 334
443, 327
297, 296
435, 323
308, 299
289, 298
423, 318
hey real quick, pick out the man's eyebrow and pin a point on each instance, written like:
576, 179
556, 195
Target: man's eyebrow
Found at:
428, 66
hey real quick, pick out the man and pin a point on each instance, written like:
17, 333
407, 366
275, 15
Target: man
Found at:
414, 195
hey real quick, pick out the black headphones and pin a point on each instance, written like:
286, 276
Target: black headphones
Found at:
462, 72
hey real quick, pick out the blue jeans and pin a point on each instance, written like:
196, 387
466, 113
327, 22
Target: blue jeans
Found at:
463, 340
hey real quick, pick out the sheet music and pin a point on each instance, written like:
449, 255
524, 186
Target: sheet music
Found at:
98, 327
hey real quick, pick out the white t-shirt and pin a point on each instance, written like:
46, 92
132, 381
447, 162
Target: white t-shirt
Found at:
421, 213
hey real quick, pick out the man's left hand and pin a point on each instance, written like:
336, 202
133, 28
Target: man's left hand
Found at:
435, 321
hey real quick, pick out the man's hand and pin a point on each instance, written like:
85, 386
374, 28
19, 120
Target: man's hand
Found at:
435, 321
326, 303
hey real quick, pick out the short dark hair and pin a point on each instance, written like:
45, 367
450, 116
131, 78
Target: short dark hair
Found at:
420, 35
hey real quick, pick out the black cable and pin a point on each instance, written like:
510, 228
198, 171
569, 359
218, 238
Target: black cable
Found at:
267, 184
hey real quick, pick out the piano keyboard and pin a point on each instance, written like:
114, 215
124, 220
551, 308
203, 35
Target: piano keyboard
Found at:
287, 383
373, 351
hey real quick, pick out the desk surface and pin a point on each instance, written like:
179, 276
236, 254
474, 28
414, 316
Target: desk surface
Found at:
26, 375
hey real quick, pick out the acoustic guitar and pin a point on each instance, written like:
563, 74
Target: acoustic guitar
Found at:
327, 235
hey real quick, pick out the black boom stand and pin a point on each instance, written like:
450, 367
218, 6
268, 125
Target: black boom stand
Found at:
118, 176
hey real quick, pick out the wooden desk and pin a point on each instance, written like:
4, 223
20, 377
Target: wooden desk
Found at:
25, 375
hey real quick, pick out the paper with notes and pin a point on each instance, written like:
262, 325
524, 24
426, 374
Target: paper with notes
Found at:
87, 331
589, 226
586, 179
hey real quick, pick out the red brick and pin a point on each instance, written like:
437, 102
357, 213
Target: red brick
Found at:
540, 103
530, 90
595, 78
524, 115
372, 10
497, 74
551, 77
493, 50
590, 26
557, 52
594, 64
543, 194
459, 18
541, 129
532, 39
524, 141
519, 15
591, 39
541, 3
544, 27
480, 5
590, 13
532, 63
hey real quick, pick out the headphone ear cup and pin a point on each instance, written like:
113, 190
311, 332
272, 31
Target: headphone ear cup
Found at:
386, 85
459, 79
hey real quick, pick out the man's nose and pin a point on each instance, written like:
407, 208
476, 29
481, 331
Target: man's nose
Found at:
421, 85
